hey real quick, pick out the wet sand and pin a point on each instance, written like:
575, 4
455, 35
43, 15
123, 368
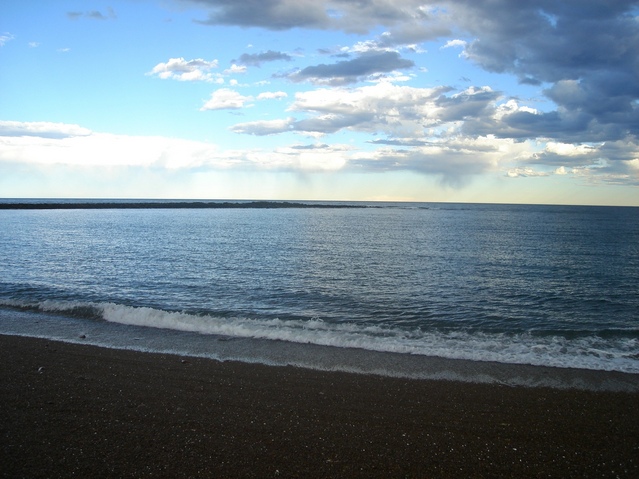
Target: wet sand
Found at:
83, 411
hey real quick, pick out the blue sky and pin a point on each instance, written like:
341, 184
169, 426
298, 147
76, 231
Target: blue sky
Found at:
412, 100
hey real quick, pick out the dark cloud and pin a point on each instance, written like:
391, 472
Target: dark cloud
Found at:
583, 55
351, 71
472, 103
522, 125
269, 14
550, 40
256, 59
587, 51
413, 22
541, 42
455, 165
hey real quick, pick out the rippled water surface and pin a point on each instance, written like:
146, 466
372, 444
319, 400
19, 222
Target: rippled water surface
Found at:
548, 285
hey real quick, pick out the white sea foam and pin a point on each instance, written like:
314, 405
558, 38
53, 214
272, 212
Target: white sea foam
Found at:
585, 352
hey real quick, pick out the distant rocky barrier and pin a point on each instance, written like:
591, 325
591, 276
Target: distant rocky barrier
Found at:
81, 205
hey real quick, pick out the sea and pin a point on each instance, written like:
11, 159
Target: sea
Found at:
516, 294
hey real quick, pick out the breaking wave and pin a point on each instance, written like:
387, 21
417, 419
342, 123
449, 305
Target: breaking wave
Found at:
588, 350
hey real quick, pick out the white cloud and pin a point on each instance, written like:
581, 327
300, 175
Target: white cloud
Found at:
400, 111
510, 107
367, 46
568, 149
187, 70
41, 129
235, 69
453, 159
324, 158
226, 99
104, 152
383, 107
264, 127
524, 171
5, 37
633, 164
272, 95
455, 43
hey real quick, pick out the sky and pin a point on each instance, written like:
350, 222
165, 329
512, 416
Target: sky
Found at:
498, 101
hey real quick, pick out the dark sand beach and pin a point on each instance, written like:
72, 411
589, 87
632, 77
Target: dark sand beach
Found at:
82, 411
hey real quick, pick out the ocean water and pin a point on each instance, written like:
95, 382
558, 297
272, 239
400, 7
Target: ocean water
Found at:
368, 287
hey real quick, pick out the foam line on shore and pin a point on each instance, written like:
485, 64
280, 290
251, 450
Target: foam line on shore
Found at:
310, 356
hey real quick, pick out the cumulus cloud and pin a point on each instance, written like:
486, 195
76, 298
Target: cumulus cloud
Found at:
549, 41
383, 107
256, 59
609, 162
419, 124
471, 103
226, 99
351, 71
584, 54
186, 70
614, 159
587, 51
398, 111
513, 120
454, 134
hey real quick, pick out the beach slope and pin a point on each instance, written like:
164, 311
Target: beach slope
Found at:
81, 411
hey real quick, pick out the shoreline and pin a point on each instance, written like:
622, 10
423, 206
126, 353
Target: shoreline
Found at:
95, 412
314, 357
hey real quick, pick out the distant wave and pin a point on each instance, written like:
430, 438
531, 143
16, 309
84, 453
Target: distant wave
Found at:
589, 351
